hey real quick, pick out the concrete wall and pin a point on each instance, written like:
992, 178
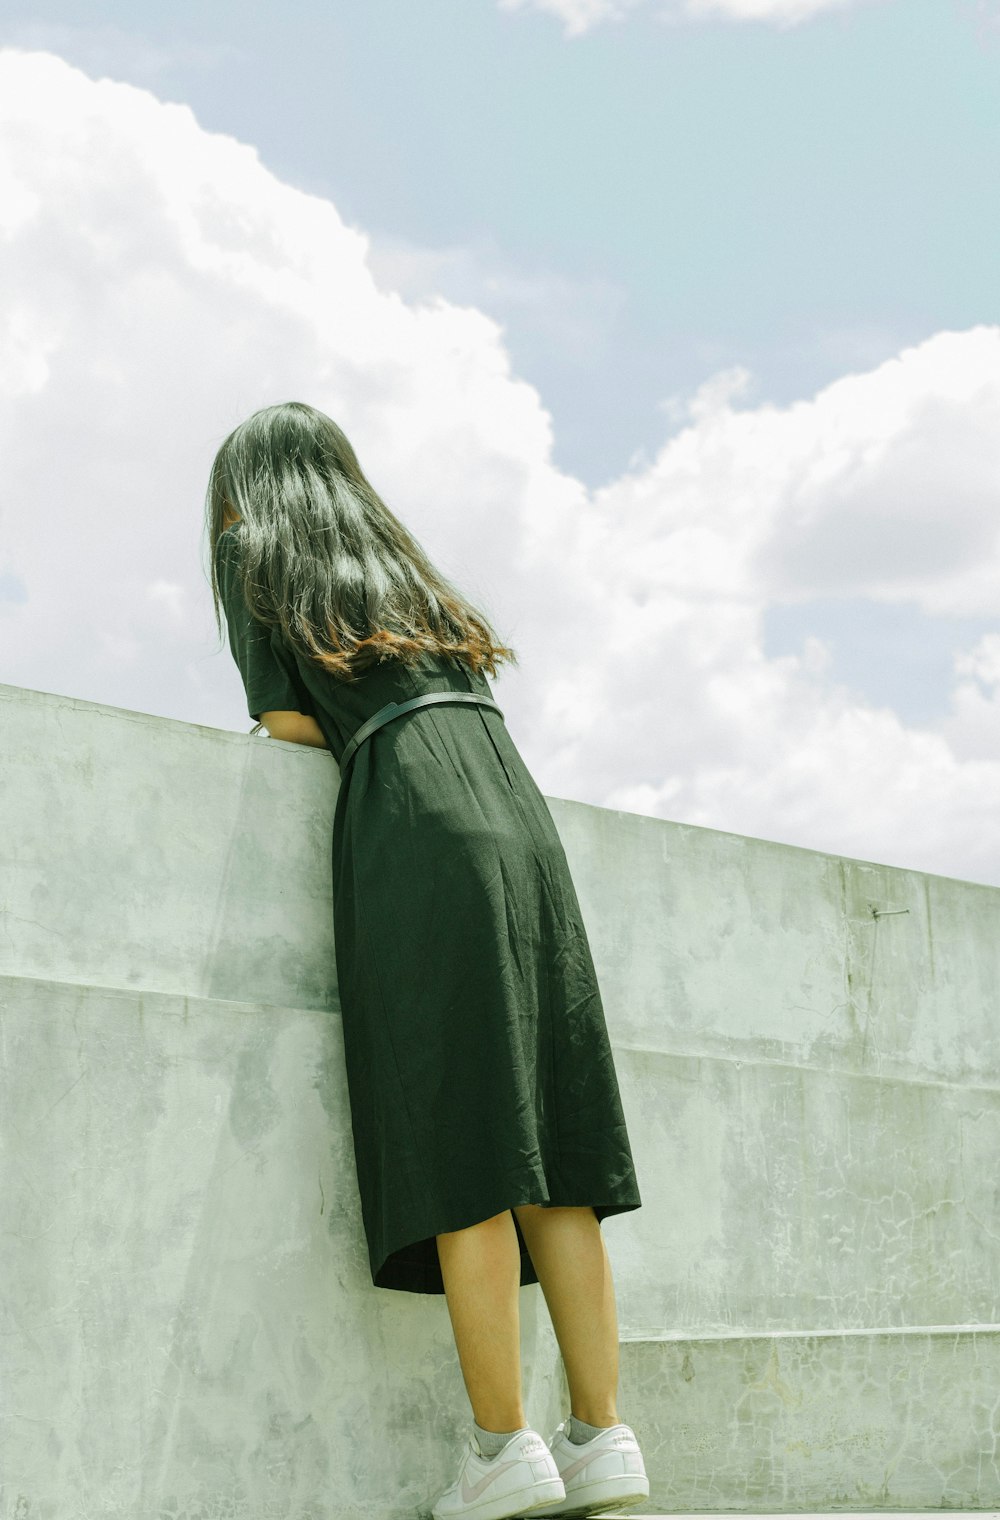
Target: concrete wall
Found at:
809, 1058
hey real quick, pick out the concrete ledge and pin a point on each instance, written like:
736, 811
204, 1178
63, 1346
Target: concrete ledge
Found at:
799, 1423
808, 1057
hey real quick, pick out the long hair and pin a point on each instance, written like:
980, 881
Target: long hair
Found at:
324, 559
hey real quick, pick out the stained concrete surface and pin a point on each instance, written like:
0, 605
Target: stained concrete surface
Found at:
809, 1058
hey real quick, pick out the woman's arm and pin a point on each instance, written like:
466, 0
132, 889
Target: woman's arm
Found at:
294, 727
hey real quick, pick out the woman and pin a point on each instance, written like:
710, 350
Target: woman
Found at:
488, 1129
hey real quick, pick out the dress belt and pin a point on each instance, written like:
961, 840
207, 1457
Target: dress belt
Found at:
396, 709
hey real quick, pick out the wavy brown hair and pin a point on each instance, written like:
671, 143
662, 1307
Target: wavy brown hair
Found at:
324, 559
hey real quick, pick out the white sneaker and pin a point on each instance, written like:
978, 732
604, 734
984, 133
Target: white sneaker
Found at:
516, 1481
605, 1473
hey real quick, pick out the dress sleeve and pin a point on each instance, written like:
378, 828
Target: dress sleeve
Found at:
267, 668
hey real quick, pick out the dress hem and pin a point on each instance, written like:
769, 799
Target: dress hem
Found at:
422, 1273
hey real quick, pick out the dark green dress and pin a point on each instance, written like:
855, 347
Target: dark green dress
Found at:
478, 1062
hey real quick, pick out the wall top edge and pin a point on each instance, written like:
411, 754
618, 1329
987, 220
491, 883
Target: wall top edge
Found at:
29, 696
866, 1332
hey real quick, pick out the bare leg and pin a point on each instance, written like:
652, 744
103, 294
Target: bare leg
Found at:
481, 1267
568, 1252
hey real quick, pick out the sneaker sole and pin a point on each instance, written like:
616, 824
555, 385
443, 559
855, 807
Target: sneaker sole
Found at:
603, 1493
524, 1501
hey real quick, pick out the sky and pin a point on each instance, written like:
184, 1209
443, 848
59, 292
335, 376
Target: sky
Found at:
670, 329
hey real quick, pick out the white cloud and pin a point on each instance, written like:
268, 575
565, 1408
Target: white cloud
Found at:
581, 16
973, 727
578, 16
783, 12
891, 481
171, 597
160, 284
867, 487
